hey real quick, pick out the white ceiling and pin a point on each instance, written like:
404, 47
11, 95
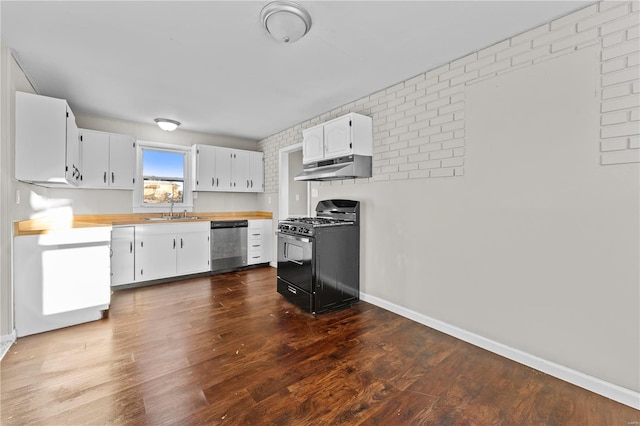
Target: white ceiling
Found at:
213, 67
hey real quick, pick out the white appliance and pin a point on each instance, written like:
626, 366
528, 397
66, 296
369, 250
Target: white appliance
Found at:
61, 278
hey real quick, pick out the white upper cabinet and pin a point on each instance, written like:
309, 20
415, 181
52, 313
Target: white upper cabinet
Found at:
223, 169
256, 178
47, 143
204, 167
122, 161
240, 163
351, 134
108, 160
227, 169
338, 137
313, 144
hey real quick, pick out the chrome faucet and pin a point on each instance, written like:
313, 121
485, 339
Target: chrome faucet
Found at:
172, 201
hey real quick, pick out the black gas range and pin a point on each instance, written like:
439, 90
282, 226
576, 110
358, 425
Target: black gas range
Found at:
319, 257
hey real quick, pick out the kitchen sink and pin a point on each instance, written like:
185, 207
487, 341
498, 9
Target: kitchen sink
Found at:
172, 218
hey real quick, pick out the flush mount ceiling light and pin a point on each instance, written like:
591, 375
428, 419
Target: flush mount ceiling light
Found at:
287, 22
166, 124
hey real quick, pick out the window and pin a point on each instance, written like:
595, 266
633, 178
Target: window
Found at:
163, 176
163, 172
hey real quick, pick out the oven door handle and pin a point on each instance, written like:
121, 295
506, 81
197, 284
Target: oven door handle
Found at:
292, 237
297, 262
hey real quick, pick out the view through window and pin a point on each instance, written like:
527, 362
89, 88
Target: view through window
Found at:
163, 174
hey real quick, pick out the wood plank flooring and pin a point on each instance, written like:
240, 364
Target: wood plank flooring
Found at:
228, 349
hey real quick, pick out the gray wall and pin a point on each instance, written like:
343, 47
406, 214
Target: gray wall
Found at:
505, 194
297, 189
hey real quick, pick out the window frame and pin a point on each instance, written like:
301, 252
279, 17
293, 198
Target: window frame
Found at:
138, 191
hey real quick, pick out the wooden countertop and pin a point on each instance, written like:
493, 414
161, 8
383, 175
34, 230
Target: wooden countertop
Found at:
45, 225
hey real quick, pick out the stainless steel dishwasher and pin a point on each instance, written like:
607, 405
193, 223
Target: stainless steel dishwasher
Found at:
228, 245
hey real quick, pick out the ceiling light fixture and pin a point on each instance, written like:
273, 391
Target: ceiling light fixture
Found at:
166, 124
287, 22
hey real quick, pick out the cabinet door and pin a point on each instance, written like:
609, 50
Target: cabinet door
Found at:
122, 161
313, 144
41, 139
193, 252
240, 174
155, 256
205, 168
95, 159
122, 255
223, 169
337, 138
74, 168
256, 172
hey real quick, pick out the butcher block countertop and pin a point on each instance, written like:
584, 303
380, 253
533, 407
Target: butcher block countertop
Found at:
45, 225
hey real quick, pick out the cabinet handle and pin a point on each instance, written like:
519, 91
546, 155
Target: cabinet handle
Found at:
181, 244
130, 247
247, 184
217, 182
112, 177
213, 181
104, 178
174, 243
252, 183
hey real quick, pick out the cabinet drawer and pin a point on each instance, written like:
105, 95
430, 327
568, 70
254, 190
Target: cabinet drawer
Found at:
296, 295
255, 234
255, 246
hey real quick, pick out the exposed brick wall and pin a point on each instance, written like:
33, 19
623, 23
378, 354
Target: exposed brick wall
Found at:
619, 120
419, 124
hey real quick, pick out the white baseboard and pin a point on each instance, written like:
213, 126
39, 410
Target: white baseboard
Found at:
273, 264
609, 390
5, 343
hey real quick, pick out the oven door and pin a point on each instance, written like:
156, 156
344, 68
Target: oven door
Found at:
295, 260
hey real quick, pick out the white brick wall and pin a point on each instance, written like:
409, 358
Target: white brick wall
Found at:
419, 124
619, 125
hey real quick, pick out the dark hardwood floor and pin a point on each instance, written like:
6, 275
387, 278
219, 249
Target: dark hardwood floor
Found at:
229, 350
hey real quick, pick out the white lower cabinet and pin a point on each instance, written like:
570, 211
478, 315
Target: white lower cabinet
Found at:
259, 241
171, 249
193, 251
122, 255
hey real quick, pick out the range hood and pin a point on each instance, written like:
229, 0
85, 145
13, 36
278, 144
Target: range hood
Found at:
349, 167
